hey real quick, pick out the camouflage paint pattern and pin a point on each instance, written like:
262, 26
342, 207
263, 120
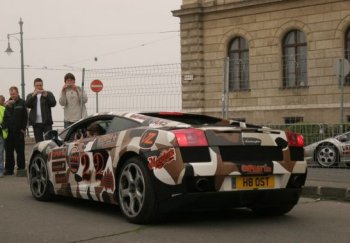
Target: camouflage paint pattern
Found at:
87, 168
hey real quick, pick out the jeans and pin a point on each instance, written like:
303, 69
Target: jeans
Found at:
2, 145
15, 142
39, 130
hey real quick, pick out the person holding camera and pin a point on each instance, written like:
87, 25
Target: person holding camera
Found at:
73, 100
40, 103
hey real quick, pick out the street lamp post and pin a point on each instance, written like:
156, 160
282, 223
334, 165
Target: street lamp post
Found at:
9, 52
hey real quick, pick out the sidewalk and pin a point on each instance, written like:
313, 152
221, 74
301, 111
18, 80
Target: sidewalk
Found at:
320, 182
330, 183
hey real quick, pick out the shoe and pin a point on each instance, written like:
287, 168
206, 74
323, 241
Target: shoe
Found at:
21, 173
8, 172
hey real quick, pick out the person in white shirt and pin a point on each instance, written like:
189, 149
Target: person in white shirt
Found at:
40, 102
73, 100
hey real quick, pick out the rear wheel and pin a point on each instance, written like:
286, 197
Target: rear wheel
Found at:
327, 155
136, 194
39, 179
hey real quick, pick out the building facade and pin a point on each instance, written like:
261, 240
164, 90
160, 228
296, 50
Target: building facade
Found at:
266, 61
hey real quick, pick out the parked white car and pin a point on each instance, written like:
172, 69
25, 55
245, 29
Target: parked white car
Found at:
330, 152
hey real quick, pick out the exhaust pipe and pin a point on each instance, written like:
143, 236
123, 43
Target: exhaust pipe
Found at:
202, 184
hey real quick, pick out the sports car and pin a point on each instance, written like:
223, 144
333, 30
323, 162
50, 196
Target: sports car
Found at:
330, 152
154, 163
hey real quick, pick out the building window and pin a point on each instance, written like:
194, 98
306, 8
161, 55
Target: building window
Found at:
347, 53
239, 64
294, 59
293, 119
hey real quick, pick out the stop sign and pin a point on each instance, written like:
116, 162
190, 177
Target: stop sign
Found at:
96, 85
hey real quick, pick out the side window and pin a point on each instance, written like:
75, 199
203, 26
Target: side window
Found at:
120, 124
81, 130
294, 59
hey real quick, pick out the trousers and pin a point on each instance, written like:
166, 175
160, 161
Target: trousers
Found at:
15, 142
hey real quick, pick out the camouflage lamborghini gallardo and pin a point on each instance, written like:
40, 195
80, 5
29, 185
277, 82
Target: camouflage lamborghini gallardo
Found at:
153, 163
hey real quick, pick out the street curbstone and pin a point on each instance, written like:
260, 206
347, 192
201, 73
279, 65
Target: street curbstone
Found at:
341, 194
347, 194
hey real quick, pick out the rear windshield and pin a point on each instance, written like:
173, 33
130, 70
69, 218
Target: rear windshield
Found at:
192, 119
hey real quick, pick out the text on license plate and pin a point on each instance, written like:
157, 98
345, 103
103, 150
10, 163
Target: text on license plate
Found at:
253, 182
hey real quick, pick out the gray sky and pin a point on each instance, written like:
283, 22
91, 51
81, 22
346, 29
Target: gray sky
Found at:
62, 34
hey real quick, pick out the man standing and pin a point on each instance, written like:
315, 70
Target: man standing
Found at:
40, 103
16, 122
73, 100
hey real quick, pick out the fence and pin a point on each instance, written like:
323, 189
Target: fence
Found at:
142, 88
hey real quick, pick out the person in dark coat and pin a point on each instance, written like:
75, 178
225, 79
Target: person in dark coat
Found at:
16, 123
40, 102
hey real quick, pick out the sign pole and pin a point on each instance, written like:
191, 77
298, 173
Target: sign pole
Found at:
96, 102
96, 86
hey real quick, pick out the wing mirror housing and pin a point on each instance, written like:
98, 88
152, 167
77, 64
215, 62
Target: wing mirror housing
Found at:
342, 138
53, 135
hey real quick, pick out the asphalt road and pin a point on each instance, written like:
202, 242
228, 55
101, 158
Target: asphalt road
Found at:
23, 219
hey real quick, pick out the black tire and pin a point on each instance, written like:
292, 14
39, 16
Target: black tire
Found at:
327, 155
40, 184
273, 210
136, 195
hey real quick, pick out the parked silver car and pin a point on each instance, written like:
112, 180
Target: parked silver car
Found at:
330, 152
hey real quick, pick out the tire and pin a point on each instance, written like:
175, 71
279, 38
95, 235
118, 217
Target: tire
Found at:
136, 195
327, 155
40, 184
273, 210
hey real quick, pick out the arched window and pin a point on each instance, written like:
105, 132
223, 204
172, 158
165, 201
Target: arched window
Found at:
294, 59
347, 53
239, 64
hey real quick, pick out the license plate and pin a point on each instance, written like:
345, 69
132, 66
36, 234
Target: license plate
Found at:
253, 182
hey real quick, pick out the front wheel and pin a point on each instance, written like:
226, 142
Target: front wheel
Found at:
136, 194
327, 155
39, 179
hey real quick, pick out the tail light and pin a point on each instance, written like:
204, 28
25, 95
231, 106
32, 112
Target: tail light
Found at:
295, 139
190, 137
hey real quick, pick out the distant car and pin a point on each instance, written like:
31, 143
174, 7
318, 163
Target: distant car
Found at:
330, 152
151, 163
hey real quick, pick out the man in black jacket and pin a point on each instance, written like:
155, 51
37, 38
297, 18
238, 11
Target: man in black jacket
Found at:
16, 122
40, 103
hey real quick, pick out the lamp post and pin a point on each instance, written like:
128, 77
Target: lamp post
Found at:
9, 52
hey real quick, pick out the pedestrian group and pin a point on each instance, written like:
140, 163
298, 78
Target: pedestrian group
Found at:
14, 119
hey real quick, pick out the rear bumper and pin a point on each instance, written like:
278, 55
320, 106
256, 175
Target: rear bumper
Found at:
234, 199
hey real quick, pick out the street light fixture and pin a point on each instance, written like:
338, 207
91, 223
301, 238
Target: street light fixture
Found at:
9, 52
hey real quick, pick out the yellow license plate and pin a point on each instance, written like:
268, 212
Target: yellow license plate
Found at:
253, 182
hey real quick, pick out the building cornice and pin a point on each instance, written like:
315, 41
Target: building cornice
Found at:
208, 7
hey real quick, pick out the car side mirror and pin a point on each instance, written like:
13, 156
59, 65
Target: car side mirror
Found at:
53, 135
342, 138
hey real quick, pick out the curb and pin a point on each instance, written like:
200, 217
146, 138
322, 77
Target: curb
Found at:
342, 194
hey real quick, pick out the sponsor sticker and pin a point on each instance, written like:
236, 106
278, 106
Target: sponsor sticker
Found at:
165, 157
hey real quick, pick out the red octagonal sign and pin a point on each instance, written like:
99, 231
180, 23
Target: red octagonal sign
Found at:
96, 85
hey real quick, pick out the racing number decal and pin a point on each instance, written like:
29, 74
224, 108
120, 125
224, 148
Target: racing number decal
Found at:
99, 165
85, 162
74, 160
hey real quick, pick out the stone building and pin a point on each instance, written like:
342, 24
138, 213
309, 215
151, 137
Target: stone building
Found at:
266, 61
